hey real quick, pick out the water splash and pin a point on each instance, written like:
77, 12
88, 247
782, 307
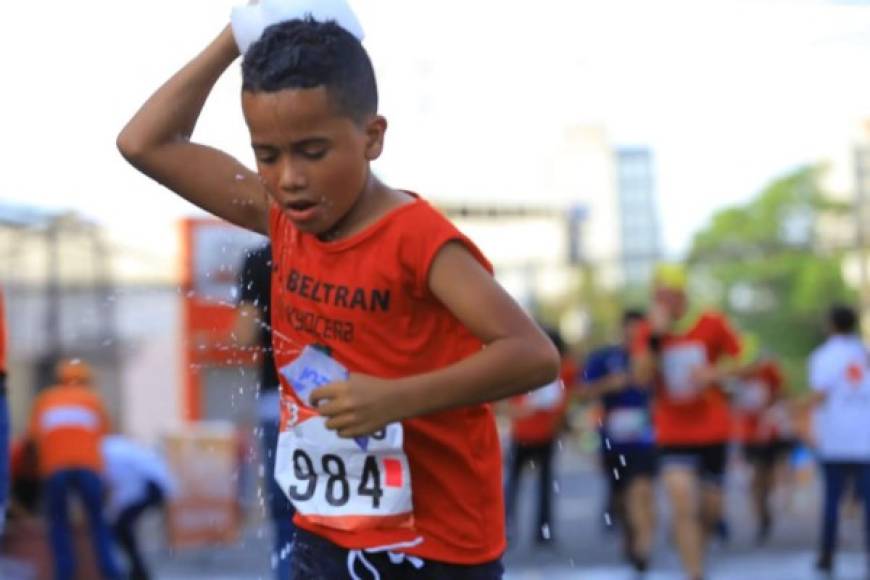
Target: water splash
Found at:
545, 532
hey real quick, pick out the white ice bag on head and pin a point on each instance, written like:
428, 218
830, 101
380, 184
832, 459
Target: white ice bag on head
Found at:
249, 21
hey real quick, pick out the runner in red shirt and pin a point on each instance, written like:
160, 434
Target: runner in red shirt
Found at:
688, 360
381, 311
763, 426
537, 419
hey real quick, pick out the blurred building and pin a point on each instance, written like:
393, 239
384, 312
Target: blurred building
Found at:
848, 181
591, 223
71, 292
56, 276
639, 227
859, 263
536, 251
584, 175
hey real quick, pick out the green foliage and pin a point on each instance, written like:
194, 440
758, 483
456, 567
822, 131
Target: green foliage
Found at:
759, 263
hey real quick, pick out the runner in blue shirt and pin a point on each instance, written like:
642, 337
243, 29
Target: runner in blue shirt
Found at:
627, 440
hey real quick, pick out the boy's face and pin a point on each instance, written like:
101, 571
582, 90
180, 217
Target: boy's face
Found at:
313, 161
673, 300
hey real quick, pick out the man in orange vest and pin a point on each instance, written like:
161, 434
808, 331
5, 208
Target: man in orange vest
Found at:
67, 425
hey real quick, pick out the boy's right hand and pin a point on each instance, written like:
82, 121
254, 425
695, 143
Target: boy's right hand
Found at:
358, 406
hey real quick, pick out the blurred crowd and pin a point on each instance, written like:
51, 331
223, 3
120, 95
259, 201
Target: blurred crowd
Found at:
677, 397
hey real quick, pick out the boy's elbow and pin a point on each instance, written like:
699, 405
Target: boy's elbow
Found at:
133, 146
546, 362
129, 146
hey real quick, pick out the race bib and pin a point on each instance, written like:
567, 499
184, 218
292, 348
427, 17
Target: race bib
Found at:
630, 425
347, 484
679, 362
548, 397
753, 396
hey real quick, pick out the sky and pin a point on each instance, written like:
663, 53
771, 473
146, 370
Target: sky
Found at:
727, 94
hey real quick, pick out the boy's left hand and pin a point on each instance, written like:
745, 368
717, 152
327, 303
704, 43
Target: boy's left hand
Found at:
359, 406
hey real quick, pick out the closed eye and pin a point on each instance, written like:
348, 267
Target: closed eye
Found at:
312, 149
315, 154
265, 155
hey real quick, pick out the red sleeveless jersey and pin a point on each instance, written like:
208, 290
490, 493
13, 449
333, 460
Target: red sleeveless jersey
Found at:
366, 299
684, 415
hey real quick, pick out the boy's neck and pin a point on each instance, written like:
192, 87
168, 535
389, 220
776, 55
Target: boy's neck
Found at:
374, 202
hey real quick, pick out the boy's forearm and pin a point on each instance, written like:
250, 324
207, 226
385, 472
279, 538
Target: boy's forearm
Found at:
504, 368
171, 113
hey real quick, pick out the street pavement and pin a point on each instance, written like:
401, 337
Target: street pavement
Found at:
586, 549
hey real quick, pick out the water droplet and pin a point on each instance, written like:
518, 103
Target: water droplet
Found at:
622, 459
615, 474
607, 519
545, 531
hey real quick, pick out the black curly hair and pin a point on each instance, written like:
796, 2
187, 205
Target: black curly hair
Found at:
303, 54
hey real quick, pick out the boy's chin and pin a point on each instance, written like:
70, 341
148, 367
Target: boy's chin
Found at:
313, 228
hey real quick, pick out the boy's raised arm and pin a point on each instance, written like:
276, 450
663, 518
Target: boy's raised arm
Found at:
157, 142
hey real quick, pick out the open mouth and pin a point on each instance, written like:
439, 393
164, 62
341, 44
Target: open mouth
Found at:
302, 205
302, 210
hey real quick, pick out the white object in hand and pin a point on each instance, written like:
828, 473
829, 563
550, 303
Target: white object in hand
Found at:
249, 21
310, 370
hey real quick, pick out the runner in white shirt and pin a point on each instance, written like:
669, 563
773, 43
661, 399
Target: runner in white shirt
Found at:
839, 375
138, 480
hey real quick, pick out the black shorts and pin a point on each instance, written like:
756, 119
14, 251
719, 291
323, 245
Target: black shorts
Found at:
623, 467
313, 557
708, 461
767, 454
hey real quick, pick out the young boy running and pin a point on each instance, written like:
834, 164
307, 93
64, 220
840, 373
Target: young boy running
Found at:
394, 468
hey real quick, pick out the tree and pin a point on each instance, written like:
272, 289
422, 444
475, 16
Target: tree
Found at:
761, 263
